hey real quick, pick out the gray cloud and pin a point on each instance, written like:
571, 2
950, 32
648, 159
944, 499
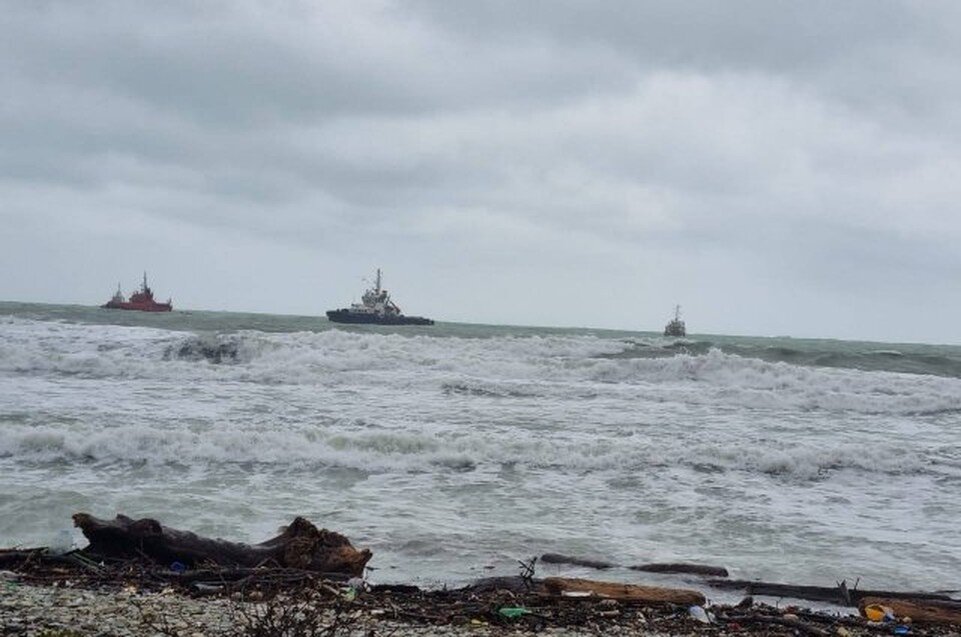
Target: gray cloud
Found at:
732, 157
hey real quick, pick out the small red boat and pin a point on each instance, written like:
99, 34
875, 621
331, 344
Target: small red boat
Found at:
140, 300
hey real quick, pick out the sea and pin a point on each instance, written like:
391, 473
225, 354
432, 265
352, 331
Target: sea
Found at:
456, 451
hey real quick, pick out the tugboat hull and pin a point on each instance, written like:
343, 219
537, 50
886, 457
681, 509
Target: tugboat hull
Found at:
142, 307
140, 301
346, 316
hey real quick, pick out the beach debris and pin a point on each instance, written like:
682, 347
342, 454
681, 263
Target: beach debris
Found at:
746, 602
558, 558
275, 589
301, 545
657, 567
920, 611
877, 613
563, 586
62, 543
274, 593
799, 627
699, 614
682, 567
839, 594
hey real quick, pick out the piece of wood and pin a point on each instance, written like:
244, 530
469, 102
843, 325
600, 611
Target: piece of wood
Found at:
16, 557
799, 626
301, 545
682, 567
557, 558
673, 567
558, 586
835, 594
921, 611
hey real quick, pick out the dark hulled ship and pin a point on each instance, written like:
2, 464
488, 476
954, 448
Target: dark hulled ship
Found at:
375, 308
676, 326
141, 300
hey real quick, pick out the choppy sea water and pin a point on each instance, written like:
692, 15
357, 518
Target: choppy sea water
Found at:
452, 451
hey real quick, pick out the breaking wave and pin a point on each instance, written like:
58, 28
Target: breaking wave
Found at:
568, 367
311, 450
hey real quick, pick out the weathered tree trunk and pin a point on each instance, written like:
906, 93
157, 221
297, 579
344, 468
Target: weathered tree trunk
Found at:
840, 594
682, 567
624, 592
675, 567
557, 558
301, 545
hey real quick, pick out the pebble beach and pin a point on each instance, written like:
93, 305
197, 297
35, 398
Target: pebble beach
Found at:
43, 611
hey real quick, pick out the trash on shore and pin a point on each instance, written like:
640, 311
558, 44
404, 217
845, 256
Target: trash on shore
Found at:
562, 586
698, 613
300, 545
290, 575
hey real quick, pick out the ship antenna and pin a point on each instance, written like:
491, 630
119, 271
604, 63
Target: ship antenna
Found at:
144, 279
378, 280
677, 312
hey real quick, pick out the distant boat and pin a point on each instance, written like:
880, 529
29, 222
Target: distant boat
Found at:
375, 308
141, 300
676, 326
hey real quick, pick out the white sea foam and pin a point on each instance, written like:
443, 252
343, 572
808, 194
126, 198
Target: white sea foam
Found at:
386, 451
510, 367
550, 436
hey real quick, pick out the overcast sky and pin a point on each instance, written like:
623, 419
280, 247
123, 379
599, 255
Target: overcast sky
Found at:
777, 168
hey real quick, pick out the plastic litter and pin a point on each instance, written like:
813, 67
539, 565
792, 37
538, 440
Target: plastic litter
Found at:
878, 613
357, 583
62, 543
902, 630
698, 613
513, 611
178, 567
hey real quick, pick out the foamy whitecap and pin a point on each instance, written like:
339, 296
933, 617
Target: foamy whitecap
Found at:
491, 441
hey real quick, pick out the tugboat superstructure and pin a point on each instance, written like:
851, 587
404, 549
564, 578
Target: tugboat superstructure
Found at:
141, 300
676, 326
377, 308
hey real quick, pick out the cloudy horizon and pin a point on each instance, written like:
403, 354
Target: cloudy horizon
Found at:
775, 168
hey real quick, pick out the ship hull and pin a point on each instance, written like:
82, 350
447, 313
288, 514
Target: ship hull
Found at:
141, 307
356, 318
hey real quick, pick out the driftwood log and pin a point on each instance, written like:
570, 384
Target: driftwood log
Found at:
673, 567
300, 545
682, 567
557, 558
839, 594
569, 586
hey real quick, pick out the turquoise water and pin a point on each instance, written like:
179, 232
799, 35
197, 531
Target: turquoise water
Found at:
455, 449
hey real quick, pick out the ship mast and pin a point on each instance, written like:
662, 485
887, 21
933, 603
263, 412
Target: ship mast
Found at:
144, 280
378, 280
677, 312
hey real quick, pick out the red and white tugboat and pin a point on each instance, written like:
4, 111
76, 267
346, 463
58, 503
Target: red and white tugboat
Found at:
141, 300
